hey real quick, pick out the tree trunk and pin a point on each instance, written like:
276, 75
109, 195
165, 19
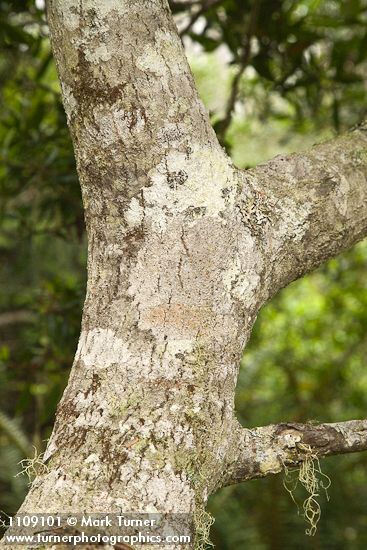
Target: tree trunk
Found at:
147, 417
183, 250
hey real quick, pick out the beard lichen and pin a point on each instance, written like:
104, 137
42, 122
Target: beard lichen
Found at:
311, 477
202, 522
33, 466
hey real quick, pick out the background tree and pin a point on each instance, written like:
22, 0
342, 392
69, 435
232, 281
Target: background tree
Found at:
51, 209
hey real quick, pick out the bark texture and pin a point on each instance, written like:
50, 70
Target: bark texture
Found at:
183, 250
267, 450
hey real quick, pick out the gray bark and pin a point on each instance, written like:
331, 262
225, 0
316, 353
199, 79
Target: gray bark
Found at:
183, 250
268, 450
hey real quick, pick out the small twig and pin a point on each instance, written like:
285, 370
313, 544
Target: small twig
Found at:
205, 7
222, 125
183, 4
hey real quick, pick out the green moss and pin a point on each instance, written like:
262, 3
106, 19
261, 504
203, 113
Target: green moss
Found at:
141, 445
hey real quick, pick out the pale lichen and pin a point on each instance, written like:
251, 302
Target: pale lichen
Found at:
101, 348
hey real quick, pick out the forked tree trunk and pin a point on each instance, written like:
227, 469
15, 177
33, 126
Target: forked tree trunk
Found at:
183, 250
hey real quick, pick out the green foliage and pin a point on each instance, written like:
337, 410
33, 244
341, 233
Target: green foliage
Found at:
302, 79
41, 286
305, 362
310, 53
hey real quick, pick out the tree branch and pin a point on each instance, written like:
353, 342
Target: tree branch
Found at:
195, 16
267, 450
174, 4
308, 206
15, 317
222, 125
